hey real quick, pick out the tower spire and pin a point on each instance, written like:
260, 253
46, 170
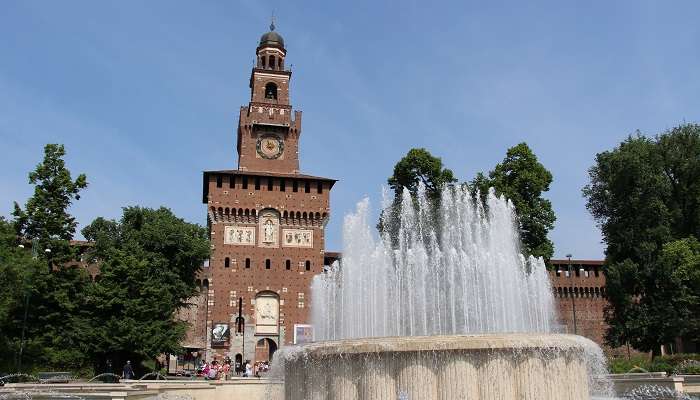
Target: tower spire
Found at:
272, 21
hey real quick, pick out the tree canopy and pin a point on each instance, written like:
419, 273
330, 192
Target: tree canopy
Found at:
45, 218
148, 263
522, 179
51, 297
419, 166
645, 196
56, 316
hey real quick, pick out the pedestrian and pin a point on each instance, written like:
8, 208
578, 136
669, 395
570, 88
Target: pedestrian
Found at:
213, 370
237, 367
128, 371
226, 369
248, 369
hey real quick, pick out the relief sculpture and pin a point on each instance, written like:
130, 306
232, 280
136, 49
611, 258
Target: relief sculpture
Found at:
298, 238
240, 235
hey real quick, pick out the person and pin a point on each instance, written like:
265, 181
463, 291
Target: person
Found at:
128, 371
248, 369
205, 370
226, 369
237, 367
213, 370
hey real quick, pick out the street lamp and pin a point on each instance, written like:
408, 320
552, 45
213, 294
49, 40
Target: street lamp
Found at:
571, 291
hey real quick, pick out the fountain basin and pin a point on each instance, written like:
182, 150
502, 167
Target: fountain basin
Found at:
474, 367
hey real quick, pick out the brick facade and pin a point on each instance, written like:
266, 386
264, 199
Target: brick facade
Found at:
267, 227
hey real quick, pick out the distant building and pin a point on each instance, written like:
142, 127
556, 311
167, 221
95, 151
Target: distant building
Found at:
266, 222
580, 288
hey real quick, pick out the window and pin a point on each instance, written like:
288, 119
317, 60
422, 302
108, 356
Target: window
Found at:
247, 262
307, 187
245, 182
272, 62
218, 181
269, 184
319, 187
295, 186
308, 265
288, 265
227, 262
282, 187
271, 91
267, 264
232, 182
257, 183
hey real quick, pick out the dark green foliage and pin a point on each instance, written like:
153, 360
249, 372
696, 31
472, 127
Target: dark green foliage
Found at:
416, 167
148, 263
645, 195
522, 179
149, 260
419, 166
45, 217
55, 296
669, 364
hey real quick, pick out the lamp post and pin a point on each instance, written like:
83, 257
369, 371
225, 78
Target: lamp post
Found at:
571, 287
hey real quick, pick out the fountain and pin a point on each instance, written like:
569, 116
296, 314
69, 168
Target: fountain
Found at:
447, 309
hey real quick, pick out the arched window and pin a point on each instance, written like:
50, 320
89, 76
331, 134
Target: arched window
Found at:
227, 262
271, 91
308, 265
267, 264
247, 262
288, 265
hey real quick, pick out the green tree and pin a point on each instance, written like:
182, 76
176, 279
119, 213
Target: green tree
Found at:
416, 167
149, 261
16, 269
419, 166
644, 194
54, 327
522, 179
45, 218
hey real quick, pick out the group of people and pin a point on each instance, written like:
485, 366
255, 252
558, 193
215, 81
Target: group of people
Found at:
214, 370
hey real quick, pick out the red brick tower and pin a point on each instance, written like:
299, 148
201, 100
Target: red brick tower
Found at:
266, 222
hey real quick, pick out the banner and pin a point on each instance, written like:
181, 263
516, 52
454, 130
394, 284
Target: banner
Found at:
303, 334
220, 334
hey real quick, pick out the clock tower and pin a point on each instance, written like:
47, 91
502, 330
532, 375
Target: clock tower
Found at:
266, 224
268, 129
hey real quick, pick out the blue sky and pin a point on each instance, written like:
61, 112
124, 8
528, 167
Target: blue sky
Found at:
144, 94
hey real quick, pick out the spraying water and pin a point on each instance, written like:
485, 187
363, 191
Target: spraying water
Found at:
454, 268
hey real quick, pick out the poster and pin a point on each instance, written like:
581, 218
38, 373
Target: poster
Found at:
220, 335
303, 334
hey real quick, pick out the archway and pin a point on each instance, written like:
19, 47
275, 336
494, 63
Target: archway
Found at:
265, 348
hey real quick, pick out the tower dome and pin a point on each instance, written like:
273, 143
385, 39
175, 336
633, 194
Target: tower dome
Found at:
272, 38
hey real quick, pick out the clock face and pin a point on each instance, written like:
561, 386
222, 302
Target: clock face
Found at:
270, 146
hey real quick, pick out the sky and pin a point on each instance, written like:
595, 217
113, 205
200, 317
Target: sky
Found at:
145, 94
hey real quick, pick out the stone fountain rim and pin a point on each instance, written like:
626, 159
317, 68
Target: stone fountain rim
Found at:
480, 342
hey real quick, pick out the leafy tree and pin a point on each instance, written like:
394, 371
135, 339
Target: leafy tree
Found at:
644, 194
521, 178
16, 270
53, 328
419, 166
149, 261
416, 167
45, 218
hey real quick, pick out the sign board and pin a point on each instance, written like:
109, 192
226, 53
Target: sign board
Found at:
303, 333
